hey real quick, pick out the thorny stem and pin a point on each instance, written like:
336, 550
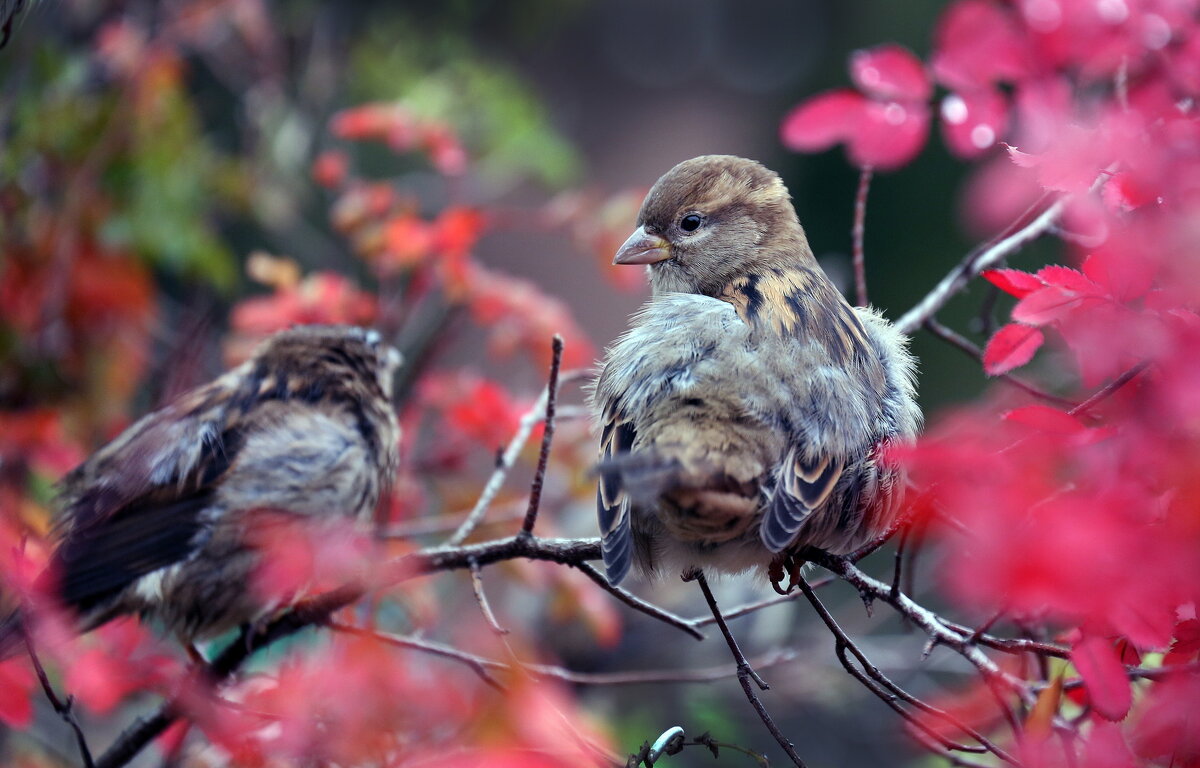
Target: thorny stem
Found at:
858, 233
745, 672
539, 476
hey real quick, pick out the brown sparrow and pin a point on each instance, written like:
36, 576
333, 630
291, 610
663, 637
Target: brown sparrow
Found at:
155, 522
743, 413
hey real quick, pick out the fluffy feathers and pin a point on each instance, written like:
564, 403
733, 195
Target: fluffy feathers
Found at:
742, 412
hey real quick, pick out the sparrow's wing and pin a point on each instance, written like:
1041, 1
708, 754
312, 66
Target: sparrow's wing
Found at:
134, 507
612, 503
801, 487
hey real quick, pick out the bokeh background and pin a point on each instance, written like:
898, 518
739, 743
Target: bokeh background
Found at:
559, 105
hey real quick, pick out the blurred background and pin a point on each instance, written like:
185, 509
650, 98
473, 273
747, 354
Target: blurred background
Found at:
149, 150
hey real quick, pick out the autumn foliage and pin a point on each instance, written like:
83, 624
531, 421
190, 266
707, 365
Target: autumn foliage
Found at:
1058, 523
1080, 520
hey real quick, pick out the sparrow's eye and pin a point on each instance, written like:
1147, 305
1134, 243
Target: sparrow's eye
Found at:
691, 222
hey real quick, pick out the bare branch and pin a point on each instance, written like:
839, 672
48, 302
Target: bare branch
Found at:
65, 709
1107, 391
481, 598
745, 673
507, 459
484, 666
933, 625
977, 261
638, 604
892, 694
539, 476
858, 233
964, 344
749, 608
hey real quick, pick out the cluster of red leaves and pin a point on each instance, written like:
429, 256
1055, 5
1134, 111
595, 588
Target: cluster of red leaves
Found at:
437, 254
357, 700
1011, 70
1085, 522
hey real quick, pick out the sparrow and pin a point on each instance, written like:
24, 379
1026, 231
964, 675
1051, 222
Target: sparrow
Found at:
744, 414
155, 523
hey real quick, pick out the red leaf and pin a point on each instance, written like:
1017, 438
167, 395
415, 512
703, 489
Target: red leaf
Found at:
1013, 281
1045, 306
1187, 643
1071, 279
1101, 670
890, 72
973, 121
1046, 419
822, 121
1011, 347
329, 169
99, 681
16, 687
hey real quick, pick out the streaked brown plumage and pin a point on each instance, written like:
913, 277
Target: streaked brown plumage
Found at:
154, 523
742, 413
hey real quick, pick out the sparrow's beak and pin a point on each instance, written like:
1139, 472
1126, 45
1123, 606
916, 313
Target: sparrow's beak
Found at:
643, 248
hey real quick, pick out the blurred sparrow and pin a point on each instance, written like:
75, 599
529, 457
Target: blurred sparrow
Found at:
743, 413
155, 522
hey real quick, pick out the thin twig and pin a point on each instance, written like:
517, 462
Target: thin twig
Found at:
898, 562
65, 709
749, 608
858, 233
977, 261
448, 523
484, 666
745, 673
481, 598
638, 604
507, 459
962, 343
892, 694
933, 625
1107, 391
539, 476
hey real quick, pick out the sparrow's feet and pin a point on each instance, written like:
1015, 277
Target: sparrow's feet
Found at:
787, 564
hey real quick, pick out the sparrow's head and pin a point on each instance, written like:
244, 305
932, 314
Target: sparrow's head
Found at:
712, 219
323, 358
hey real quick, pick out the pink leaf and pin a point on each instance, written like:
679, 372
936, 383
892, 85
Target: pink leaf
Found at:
822, 121
1013, 281
890, 72
973, 121
1046, 419
1045, 306
16, 687
1011, 347
977, 43
1101, 670
891, 134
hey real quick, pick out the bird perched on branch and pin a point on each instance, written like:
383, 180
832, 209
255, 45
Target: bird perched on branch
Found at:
155, 522
743, 413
